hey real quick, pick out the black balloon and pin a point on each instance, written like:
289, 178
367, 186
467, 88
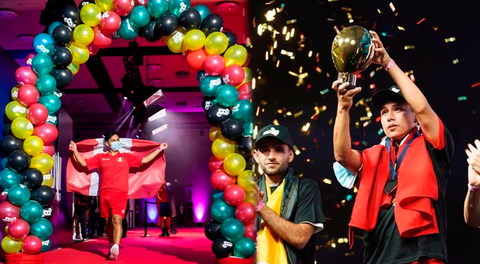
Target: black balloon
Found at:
232, 129
70, 16
84, 2
9, 144
208, 101
217, 114
166, 24
18, 160
63, 77
7, 129
43, 195
212, 23
32, 178
62, 57
244, 146
47, 212
190, 19
150, 32
222, 248
232, 38
62, 35
212, 230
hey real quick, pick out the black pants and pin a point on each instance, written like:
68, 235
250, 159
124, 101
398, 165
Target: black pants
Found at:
80, 211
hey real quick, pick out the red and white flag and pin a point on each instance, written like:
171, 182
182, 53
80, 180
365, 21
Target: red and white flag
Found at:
143, 182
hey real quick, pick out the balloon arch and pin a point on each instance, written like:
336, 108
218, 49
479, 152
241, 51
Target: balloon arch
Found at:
26, 147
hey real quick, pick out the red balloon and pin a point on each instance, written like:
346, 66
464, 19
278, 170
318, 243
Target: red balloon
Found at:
37, 114
100, 40
233, 75
28, 95
123, 7
195, 58
48, 149
47, 132
110, 22
234, 195
141, 2
245, 212
245, 91
250, 232
220, 180
32, 245
214, 65
19, 229
25, 75
93, 49
215, 164
9, 212
3, 196
28, 59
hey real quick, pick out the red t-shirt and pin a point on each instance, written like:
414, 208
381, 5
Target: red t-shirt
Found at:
114, 169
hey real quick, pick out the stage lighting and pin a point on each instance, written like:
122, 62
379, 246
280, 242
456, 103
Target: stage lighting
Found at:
158, 115
153, 98
159, 129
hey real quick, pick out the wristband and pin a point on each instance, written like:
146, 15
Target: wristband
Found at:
473, 188
389, 65
259, 206
160, 148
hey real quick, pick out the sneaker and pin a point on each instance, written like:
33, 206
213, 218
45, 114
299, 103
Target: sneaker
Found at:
114, 251
85, 239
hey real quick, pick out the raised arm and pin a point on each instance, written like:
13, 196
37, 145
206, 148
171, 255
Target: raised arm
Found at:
342, 147
73, 147
418, 102
154, 153
471, 210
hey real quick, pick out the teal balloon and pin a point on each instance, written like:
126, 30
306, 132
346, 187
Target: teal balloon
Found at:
139, 16
52, 119
203, 10
156, 8
43, 43
18, 194
178, 6
52, 26
216, 195
31, 211
42, 64
248, 128
8, 177
46, 84
127, 30
42, 228
226, 95
210, 84
46, 244
244, 247
51, 102
232, 229
4, 162
221, 211
243, 110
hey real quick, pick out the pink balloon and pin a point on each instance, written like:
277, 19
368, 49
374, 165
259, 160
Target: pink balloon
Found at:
37, 114
245, 91
48, 149
214, 65
195, 58
215, 164
234, 195
3, 196
220, 180
110, 22
250, 232
100, 40
233, 75
47, 132
9, 212
32, 245
123, 7
245, 212
18, 229
28, 95
141, 2
28, 59
25, 75
93, 49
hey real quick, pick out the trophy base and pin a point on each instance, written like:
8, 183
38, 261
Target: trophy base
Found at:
347, 77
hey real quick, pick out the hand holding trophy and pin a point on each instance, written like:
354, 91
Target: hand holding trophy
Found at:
352, 53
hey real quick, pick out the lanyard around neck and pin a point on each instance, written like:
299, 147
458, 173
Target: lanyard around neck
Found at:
394, 166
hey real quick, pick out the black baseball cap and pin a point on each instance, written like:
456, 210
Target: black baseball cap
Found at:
275, 131
392, 94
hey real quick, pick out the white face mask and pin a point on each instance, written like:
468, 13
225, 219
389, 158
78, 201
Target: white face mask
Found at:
115, 146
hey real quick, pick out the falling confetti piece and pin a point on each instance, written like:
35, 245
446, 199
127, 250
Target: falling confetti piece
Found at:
462, 98
409, 47
421, 21
450, 39
475, 85
401, 28
291, 21
392, 6
455, 61
380, 131
297, 114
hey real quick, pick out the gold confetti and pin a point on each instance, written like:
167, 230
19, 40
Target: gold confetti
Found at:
364, 118
306, 127
379, 11
450, 39
291, 21
297, 114
401, 28
280, 111
350, 18
409, 47
289, 113
327, 181
275, 122
392, 6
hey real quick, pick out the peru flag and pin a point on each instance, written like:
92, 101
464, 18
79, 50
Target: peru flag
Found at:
144, 182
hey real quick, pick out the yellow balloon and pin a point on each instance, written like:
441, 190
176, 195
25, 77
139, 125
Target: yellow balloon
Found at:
14, 109
33, 145
10, 246
248, 75
234, 164
14, 93
90, 14
74, 67
246, 179
213, 132
83, 35
105, 5
236, 54
22, 128
221, 148
194, 39
175, 43
80, 54
47, 179
216, 43
42, 162
250, 197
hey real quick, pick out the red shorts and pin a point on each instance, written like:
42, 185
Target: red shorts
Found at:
112, 203
428, 261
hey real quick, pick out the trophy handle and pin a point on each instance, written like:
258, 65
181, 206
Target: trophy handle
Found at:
348, 77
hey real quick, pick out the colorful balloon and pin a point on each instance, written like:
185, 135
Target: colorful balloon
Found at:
10, 245
25, 75
42, 162
18, 229
203, 10
80, 53
32, 245
195, 58
250, 232
110, 22
15, 110
51, 102
123, 7
216, 43
8, 178
48, 149
140, 16
105, 5
47, 132
31, 211
232, 229
226, 95
22, 128
90, 14
100, 40
127, 31
9, 212
234, 164
28, 95
215, 164
18, 194
236, 55
220, 180
233, 74
214, 65
18, 160
33, 145
37, 114
221, 148
42, 64
221, 211
177, 7
244, 247
41, 229
43, 43
210, 84
234, 195
175, 43
245, 212
246, 180
46, 84
47, 180
156, 8
243, 110
194, 39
